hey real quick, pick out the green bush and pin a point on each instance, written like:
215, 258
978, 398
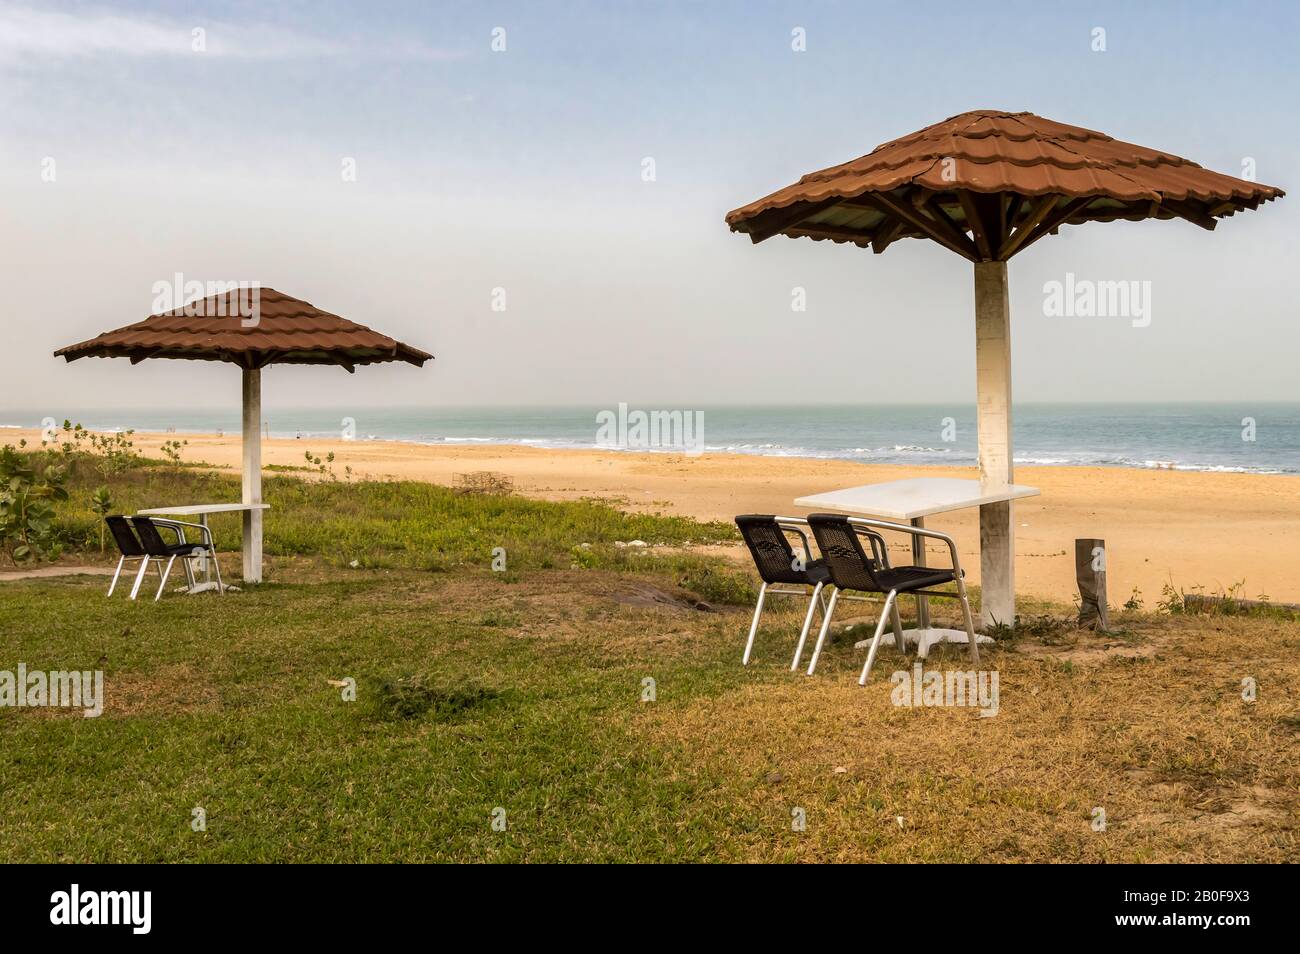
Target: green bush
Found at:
29, 488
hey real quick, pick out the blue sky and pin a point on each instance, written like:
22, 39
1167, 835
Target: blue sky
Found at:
522, 170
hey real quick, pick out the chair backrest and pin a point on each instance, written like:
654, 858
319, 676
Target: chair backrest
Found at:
123, 537
772, 553
152, 540
851, 567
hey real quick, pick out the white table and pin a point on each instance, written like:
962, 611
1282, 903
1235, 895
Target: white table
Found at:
201, 511
913, 500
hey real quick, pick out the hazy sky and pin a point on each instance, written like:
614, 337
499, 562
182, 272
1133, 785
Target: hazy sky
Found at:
522, 170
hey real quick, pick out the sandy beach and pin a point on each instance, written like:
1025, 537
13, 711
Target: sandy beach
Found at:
1192, 529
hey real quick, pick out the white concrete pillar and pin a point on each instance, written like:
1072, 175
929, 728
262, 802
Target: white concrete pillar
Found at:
252, 475
993, 384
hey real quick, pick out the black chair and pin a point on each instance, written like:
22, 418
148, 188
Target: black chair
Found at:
127, 544
840, 540
157, 549
783, 571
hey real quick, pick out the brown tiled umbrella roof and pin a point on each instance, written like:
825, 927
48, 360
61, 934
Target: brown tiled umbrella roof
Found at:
288, 331
992, 174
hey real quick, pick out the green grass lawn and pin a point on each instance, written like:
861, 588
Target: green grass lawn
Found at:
527, 696
226, 703
523, 691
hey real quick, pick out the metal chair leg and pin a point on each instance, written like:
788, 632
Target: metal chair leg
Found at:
807, 624
217, 566
116, 573
163, 581
753, 627
139, 577
974, 651
875, 643
826, 626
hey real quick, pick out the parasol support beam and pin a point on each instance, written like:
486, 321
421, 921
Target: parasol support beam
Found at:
993, 423
252, 492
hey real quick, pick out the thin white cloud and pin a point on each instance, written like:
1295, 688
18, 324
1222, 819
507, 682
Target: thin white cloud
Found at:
44, 37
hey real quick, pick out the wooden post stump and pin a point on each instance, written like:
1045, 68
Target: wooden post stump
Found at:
1090, 572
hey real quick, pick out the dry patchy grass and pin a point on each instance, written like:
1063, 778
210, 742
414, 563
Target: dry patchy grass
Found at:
1150, 726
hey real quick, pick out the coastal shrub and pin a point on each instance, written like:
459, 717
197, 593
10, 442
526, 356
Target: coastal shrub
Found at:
109, 453
1171, 600
28, 491
101, 505
1225, 602
1044, 628
172, 451
315, 465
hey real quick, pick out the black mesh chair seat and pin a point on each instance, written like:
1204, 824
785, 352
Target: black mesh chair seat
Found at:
179, 549
817, 572
904, 579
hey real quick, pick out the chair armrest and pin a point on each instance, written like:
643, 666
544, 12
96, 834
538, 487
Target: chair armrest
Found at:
803, 540
879, 549
162, 523
796, 526
177, 525
863, 522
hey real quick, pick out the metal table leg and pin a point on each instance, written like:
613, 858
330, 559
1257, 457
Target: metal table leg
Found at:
206, 566
203, 561
918, 559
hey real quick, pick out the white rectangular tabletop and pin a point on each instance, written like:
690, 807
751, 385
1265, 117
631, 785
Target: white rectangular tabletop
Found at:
192, 510
913, 498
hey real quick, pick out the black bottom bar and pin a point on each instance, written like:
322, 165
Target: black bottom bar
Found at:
1222, 904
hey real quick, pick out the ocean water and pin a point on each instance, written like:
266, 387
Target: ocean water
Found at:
1207, 437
